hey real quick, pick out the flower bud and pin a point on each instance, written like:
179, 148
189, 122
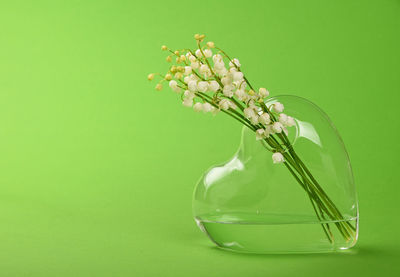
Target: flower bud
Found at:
164, 48
158, 87
150, 76
168, 77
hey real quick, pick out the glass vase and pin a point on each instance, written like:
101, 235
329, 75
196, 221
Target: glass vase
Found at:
250, 204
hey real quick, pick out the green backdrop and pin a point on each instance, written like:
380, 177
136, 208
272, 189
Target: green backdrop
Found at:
98, 168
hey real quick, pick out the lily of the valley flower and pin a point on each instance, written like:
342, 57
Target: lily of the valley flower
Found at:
260, 134
278, 107
224, 104
277, 158
277, 127
198, 107
263, 92
264, 118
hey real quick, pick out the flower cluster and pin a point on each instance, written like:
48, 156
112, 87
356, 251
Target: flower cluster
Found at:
209, 80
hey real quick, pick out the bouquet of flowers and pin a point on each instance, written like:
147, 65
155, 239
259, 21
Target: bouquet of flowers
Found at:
209, 80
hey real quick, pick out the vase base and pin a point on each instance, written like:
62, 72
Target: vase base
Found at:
273, 234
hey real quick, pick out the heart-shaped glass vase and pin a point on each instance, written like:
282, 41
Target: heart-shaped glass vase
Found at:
250, 204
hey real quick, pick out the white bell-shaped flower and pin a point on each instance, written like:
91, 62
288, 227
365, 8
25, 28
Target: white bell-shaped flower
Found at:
192, 85
198, 53
260, 134
214, 86
187, 102
188, 70
234, 62
202, 86
207, 53
263, 92
264, 118
224, 104
237, 76
198, 107
207, 107
278, 107
290, 121
277, 127
228, 90
277, 158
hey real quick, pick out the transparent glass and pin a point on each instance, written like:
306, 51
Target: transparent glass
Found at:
250, 204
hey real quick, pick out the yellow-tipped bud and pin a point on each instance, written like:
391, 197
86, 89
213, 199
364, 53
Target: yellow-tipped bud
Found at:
183, 58
178, 75
158, 87
150, 76
210, 44
252, 92
176, 52
196, 36
180, 69
178, 60
168, 77
201, 37
169, 59
164, 48
173, 69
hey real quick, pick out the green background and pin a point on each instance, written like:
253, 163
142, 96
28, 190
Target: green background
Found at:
98, 168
